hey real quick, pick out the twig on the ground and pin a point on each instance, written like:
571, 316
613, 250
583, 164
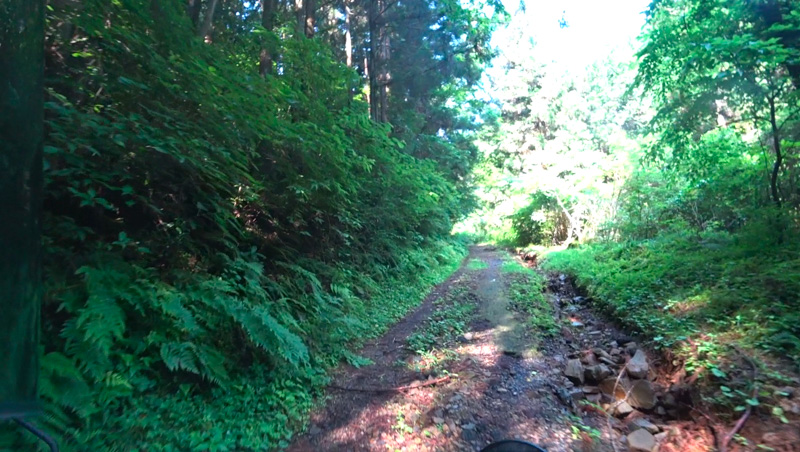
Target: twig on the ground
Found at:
723, 447
711, 424
394, 389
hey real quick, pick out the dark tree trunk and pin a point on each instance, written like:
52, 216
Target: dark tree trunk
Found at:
21, 124
309, 17
379, 51
208, 20
268, 22
193, 8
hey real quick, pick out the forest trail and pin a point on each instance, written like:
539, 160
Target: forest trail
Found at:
487, 375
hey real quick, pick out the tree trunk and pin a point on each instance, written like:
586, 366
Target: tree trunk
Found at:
776, 144
309, 17
193, 8
268, 22
348, 37
379, 61
208, 20
21, 124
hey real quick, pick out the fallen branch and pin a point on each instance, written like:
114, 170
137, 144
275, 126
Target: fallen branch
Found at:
395, 389
723, 447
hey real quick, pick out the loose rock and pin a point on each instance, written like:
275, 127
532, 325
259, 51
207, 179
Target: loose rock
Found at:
641, 441
645, 424
597, 373
574, 371
637, 367
623, 408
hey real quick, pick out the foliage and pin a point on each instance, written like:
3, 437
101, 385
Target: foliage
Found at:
683, 287
557, 147
216, 236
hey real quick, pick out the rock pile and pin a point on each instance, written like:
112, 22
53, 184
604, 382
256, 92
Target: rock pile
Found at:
616, 379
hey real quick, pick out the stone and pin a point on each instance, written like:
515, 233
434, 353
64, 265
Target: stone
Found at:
597, 373
645, 424
469, 426
594, 398
578, 299
631, 348
642, 395
790, 406
576, 394
576, 324
502, 390
640, 392
608, 362
591, 390
600, 353
574, 371
469, 336
588, 358
660, 437
641, 441
623, 408
314, 430
637, 367
615, 351
438, 420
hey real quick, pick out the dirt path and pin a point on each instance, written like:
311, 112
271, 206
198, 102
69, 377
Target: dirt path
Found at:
475, 365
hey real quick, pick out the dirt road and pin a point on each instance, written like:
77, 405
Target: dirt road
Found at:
483, 359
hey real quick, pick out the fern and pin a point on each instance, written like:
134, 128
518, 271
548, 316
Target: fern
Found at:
102, 320
271, 336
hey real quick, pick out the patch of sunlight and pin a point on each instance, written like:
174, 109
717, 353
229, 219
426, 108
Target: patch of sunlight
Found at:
477, 264
514, 266
687, 306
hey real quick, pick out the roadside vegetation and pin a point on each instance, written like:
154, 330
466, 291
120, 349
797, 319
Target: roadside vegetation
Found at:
664, 180
234, 201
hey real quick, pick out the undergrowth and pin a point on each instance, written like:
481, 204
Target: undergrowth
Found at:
711, 298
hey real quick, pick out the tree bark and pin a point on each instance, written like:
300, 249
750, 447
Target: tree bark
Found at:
348, 36
776, 144
268, 8
379, 61
208, 20
21, 135
193, 8
309, 17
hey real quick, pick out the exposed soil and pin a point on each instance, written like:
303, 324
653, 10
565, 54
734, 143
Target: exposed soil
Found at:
500, 380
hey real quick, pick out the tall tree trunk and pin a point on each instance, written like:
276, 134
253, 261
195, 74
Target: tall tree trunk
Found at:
379, 61
193, 8
300, 14
208, 20
21, 124
268, 22
368, 74
309, 17
776, 144
348, 34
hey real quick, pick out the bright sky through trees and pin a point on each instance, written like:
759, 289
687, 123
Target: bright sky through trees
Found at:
593, 30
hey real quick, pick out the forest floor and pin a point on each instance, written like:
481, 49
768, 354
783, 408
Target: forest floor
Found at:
470, 366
